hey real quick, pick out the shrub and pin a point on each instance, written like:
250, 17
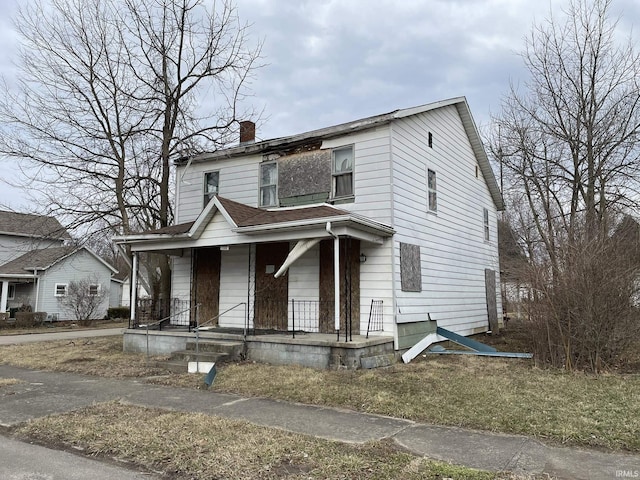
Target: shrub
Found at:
30, 319
118, 312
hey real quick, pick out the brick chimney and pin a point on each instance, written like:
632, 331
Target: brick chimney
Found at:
247, 132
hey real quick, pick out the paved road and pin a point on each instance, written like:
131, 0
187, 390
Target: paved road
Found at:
63, 335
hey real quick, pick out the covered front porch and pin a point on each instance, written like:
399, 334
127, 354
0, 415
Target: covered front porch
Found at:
278, 274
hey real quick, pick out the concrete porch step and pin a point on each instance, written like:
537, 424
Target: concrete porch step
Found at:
192, 356
233, 349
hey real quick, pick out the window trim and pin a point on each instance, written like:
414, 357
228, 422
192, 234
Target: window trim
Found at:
433, 190
65, 286
206, 196
97, 287
335, 175
261, 186
485, 221
11, 291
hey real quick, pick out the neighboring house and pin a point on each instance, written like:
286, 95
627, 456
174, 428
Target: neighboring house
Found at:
36, 267
405, 203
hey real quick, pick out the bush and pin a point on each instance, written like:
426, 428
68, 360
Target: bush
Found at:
118, 312
30, 319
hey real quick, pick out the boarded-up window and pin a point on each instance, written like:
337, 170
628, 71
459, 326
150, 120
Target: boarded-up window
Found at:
410, 270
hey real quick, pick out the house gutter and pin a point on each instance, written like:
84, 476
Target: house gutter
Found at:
336, 278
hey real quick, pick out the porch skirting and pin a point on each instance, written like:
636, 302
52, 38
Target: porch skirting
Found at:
321, 351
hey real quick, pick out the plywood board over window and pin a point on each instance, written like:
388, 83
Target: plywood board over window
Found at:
410, 271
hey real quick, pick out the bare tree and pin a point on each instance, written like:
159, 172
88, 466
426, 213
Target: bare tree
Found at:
109, 91
83, 300
569, 142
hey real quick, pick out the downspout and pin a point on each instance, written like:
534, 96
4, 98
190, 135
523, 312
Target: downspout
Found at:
35, 274
134, 291
336, 278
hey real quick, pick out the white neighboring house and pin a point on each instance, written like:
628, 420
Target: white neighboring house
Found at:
405, 203
37, 267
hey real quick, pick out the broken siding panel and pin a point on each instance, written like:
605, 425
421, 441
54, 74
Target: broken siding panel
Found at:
453, 251
234, 268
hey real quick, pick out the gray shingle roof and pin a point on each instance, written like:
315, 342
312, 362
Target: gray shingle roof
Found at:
35, 259
29, 225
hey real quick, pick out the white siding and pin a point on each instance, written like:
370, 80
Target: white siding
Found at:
304, 285
372, 172
453, 251
376, 283
238, 181
234, 281
78, 267
181, 276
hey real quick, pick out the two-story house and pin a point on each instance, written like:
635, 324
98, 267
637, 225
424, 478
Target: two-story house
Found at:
38, 262
393, 215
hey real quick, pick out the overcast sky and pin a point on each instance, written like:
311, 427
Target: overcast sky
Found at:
331, 61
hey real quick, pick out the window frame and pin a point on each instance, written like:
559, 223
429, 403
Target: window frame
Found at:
485, 221
11, 291
97, 289
342, 173
432, 191
273, 185
56, 286
206, 195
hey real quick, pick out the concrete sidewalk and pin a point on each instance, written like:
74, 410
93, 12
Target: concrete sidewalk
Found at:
59, 335
44, 393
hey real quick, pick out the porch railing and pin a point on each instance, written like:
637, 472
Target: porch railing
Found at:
174, 311
375, 323
211, 321
153, 325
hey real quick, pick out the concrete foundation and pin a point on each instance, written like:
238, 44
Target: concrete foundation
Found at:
321, 351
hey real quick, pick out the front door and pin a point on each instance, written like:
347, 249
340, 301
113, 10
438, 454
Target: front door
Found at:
206, 284
349, 286
272, 293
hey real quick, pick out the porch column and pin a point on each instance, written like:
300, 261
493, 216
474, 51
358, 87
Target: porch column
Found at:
336, 281
133, 298
4, 297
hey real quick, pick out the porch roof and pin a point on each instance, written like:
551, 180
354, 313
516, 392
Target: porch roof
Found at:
248, 220
41, 259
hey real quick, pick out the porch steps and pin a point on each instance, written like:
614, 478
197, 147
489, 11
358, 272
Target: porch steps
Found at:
216, 351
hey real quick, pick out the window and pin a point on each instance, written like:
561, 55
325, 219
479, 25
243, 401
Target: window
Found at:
211, 180
60, 290
485, 213
11, 294
430, 140
432, 192
94, 289
268, 184
342, 171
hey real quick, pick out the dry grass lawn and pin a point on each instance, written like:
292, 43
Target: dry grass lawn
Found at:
499, 395
205, 447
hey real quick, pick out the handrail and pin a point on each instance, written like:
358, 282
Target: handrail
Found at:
200, 325
175, 314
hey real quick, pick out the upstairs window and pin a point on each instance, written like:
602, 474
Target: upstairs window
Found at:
432, 191
211, 180
268, 185
60, 290
485, 213
342, 172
